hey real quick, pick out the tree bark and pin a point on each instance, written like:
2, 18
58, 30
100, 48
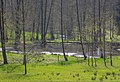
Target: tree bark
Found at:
24, 39
62, 31
2, 32
78, 20
17, 29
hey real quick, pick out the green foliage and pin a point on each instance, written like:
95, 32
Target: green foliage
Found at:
86, 37
116, 38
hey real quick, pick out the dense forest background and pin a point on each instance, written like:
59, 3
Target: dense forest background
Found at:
43, 21
44, 16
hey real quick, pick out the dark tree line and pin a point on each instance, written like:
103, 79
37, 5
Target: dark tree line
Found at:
118, 16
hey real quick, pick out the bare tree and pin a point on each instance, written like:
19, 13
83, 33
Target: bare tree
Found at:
78, 20
104, 32
2, 31
38, 20
62, 31
17, 29
24, 39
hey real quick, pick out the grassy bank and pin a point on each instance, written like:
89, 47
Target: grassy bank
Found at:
49, 69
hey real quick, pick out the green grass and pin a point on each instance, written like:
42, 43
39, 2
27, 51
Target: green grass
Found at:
50, 69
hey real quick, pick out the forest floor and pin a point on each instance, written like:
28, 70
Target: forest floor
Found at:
42, 68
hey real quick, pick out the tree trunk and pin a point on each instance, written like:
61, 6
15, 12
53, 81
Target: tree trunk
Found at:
78, 20
104, 33
17, 29
62, 32
24, 42
51, 28
38, 27
2, 32
42, 26
50, 16
33, 31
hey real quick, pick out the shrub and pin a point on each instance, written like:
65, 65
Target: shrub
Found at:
106, 77
95, 73
113, 73
93, 78
108, 73
77, 75
101, 78
57, 74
